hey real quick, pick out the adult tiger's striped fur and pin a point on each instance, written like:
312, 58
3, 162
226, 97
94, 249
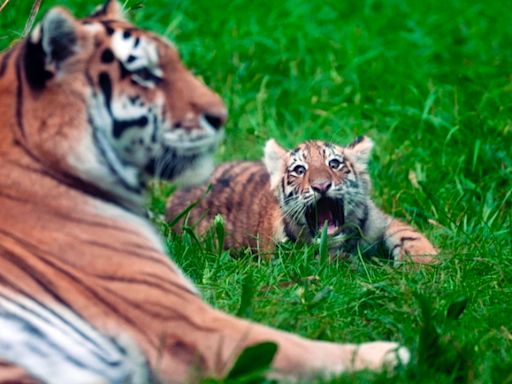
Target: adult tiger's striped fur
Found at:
291, 194
57, 346
89, 110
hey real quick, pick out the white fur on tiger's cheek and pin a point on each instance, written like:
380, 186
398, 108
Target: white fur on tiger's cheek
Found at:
107, 154
140, 140
122, 47
136, 54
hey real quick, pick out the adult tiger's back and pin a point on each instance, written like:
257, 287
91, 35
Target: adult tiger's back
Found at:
90, 110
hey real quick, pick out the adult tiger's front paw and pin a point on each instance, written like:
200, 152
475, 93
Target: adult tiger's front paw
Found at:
380, 355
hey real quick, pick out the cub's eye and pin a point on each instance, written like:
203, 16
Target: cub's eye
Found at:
334, 164
298, 170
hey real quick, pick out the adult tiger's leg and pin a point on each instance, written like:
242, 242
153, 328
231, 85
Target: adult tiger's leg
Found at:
215, 340
298, 357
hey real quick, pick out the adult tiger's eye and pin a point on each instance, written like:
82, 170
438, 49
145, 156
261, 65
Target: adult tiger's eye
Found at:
334, 164
144, 74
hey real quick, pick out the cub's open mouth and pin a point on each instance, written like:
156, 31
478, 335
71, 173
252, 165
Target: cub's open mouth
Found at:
325, 210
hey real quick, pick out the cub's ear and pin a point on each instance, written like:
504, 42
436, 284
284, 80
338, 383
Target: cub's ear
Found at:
274, 159
111, 10
360, 150
51, 42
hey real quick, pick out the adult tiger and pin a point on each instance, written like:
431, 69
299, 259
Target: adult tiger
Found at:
90, 109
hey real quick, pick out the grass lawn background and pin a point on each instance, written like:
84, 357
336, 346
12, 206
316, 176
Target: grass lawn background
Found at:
431, 84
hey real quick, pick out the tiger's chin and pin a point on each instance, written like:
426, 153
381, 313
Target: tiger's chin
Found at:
195, 172
180, 168
186, 161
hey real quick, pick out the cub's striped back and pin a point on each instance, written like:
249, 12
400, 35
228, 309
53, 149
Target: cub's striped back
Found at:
240, 192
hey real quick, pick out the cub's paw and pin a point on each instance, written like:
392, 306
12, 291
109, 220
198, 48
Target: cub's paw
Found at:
380, 356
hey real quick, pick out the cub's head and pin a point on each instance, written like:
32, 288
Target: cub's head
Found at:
111, 104
319, 182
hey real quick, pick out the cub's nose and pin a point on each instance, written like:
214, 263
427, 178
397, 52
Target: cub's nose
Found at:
216, 118
321, 187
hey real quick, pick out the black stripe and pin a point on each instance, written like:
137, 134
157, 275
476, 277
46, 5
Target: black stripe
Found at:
107, 25
357, 140
63, 320
159, 285
404, 239
106, 87
157, 259
19, 97
32, 274
50, 288
12, 197
174, 313
395, 247
283, 187
237, 169
74, 182
122, 125
107, 56
46, 285
238, 203
68, 216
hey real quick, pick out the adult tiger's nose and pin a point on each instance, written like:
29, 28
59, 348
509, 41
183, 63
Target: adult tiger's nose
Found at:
216, 118
321, 187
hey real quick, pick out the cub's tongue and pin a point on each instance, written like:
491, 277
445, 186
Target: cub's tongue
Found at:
326, 216
332, 229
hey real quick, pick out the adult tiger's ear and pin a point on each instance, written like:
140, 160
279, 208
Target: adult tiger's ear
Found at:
274, 159
111, 10
50, 44
360, 150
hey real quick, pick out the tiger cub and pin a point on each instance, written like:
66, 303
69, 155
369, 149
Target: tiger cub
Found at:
291, 195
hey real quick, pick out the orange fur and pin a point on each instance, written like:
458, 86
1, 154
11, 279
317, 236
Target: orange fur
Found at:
240, 192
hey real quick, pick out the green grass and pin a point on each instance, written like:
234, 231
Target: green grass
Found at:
431, 83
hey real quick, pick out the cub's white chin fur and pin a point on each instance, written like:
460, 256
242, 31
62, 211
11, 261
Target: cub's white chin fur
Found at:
333, 241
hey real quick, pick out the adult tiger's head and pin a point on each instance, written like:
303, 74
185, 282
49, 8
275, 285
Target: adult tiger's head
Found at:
100, 102
319, 182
